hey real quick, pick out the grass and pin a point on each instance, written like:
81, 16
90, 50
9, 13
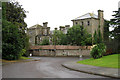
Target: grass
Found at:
21, 58
24, 58
110, 61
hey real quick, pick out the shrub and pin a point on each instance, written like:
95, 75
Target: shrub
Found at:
98, 50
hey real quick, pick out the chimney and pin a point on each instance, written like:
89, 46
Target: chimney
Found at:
45, 24
100, 14
67, 26
55, 28
61, 28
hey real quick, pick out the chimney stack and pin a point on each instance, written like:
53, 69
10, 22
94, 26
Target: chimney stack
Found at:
55, 28
62, 28
45, 24
67, 26
100, 14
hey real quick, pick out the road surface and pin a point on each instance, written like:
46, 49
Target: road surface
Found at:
47, 67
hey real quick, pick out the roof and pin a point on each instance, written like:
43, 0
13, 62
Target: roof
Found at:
88, 15
60, 47
35, 26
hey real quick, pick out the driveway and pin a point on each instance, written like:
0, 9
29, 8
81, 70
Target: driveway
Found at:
47, 67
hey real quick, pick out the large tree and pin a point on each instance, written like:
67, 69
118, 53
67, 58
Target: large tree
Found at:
77, 35
59, 38
14, 38
115, 33
16, 14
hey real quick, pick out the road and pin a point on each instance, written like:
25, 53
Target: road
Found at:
47, 67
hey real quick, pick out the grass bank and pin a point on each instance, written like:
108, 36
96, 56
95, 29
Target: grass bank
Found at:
110, 61
21, 58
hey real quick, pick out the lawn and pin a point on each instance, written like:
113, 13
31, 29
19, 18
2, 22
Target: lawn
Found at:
106, 61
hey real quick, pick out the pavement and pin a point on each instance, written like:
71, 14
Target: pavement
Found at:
102, 71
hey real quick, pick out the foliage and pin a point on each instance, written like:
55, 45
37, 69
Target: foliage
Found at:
77, 35
110, 61
16, 14
11, 41
115, 23
98, 50
59, 38
97, 37
45, 41
23, 51
106, 30
13, 25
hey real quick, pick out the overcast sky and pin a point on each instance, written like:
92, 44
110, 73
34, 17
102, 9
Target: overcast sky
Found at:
61, 12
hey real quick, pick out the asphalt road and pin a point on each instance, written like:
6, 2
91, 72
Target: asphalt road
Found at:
47, 67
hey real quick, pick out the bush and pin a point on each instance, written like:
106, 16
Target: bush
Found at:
98, 50
11, 41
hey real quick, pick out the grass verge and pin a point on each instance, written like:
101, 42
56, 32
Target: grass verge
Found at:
21, 58
110, 61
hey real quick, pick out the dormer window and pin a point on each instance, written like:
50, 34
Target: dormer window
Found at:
88, 23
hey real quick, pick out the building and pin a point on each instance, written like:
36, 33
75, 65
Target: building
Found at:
91, 22
64, 29
37, 33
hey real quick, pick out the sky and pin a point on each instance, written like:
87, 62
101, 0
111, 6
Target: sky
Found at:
61, 12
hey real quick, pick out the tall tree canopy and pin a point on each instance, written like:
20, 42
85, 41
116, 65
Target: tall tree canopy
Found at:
16, 14
14, 38
59, 38
115, 23
77, 35
115, 33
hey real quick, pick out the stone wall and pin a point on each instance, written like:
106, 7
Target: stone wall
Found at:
61, 51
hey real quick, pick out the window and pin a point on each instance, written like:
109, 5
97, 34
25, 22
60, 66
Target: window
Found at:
76, 23
88, 23
82, 23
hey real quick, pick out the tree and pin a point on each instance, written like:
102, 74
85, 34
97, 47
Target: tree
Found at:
14, 38
59, 38
106, 30
77, 35
11, 41
115, 23
16, 14
97, 37
45, 41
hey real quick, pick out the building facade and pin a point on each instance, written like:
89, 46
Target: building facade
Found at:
91, 22
37, 33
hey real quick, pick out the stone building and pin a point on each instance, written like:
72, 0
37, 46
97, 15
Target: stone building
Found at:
37, 33
64, 29
91, 22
